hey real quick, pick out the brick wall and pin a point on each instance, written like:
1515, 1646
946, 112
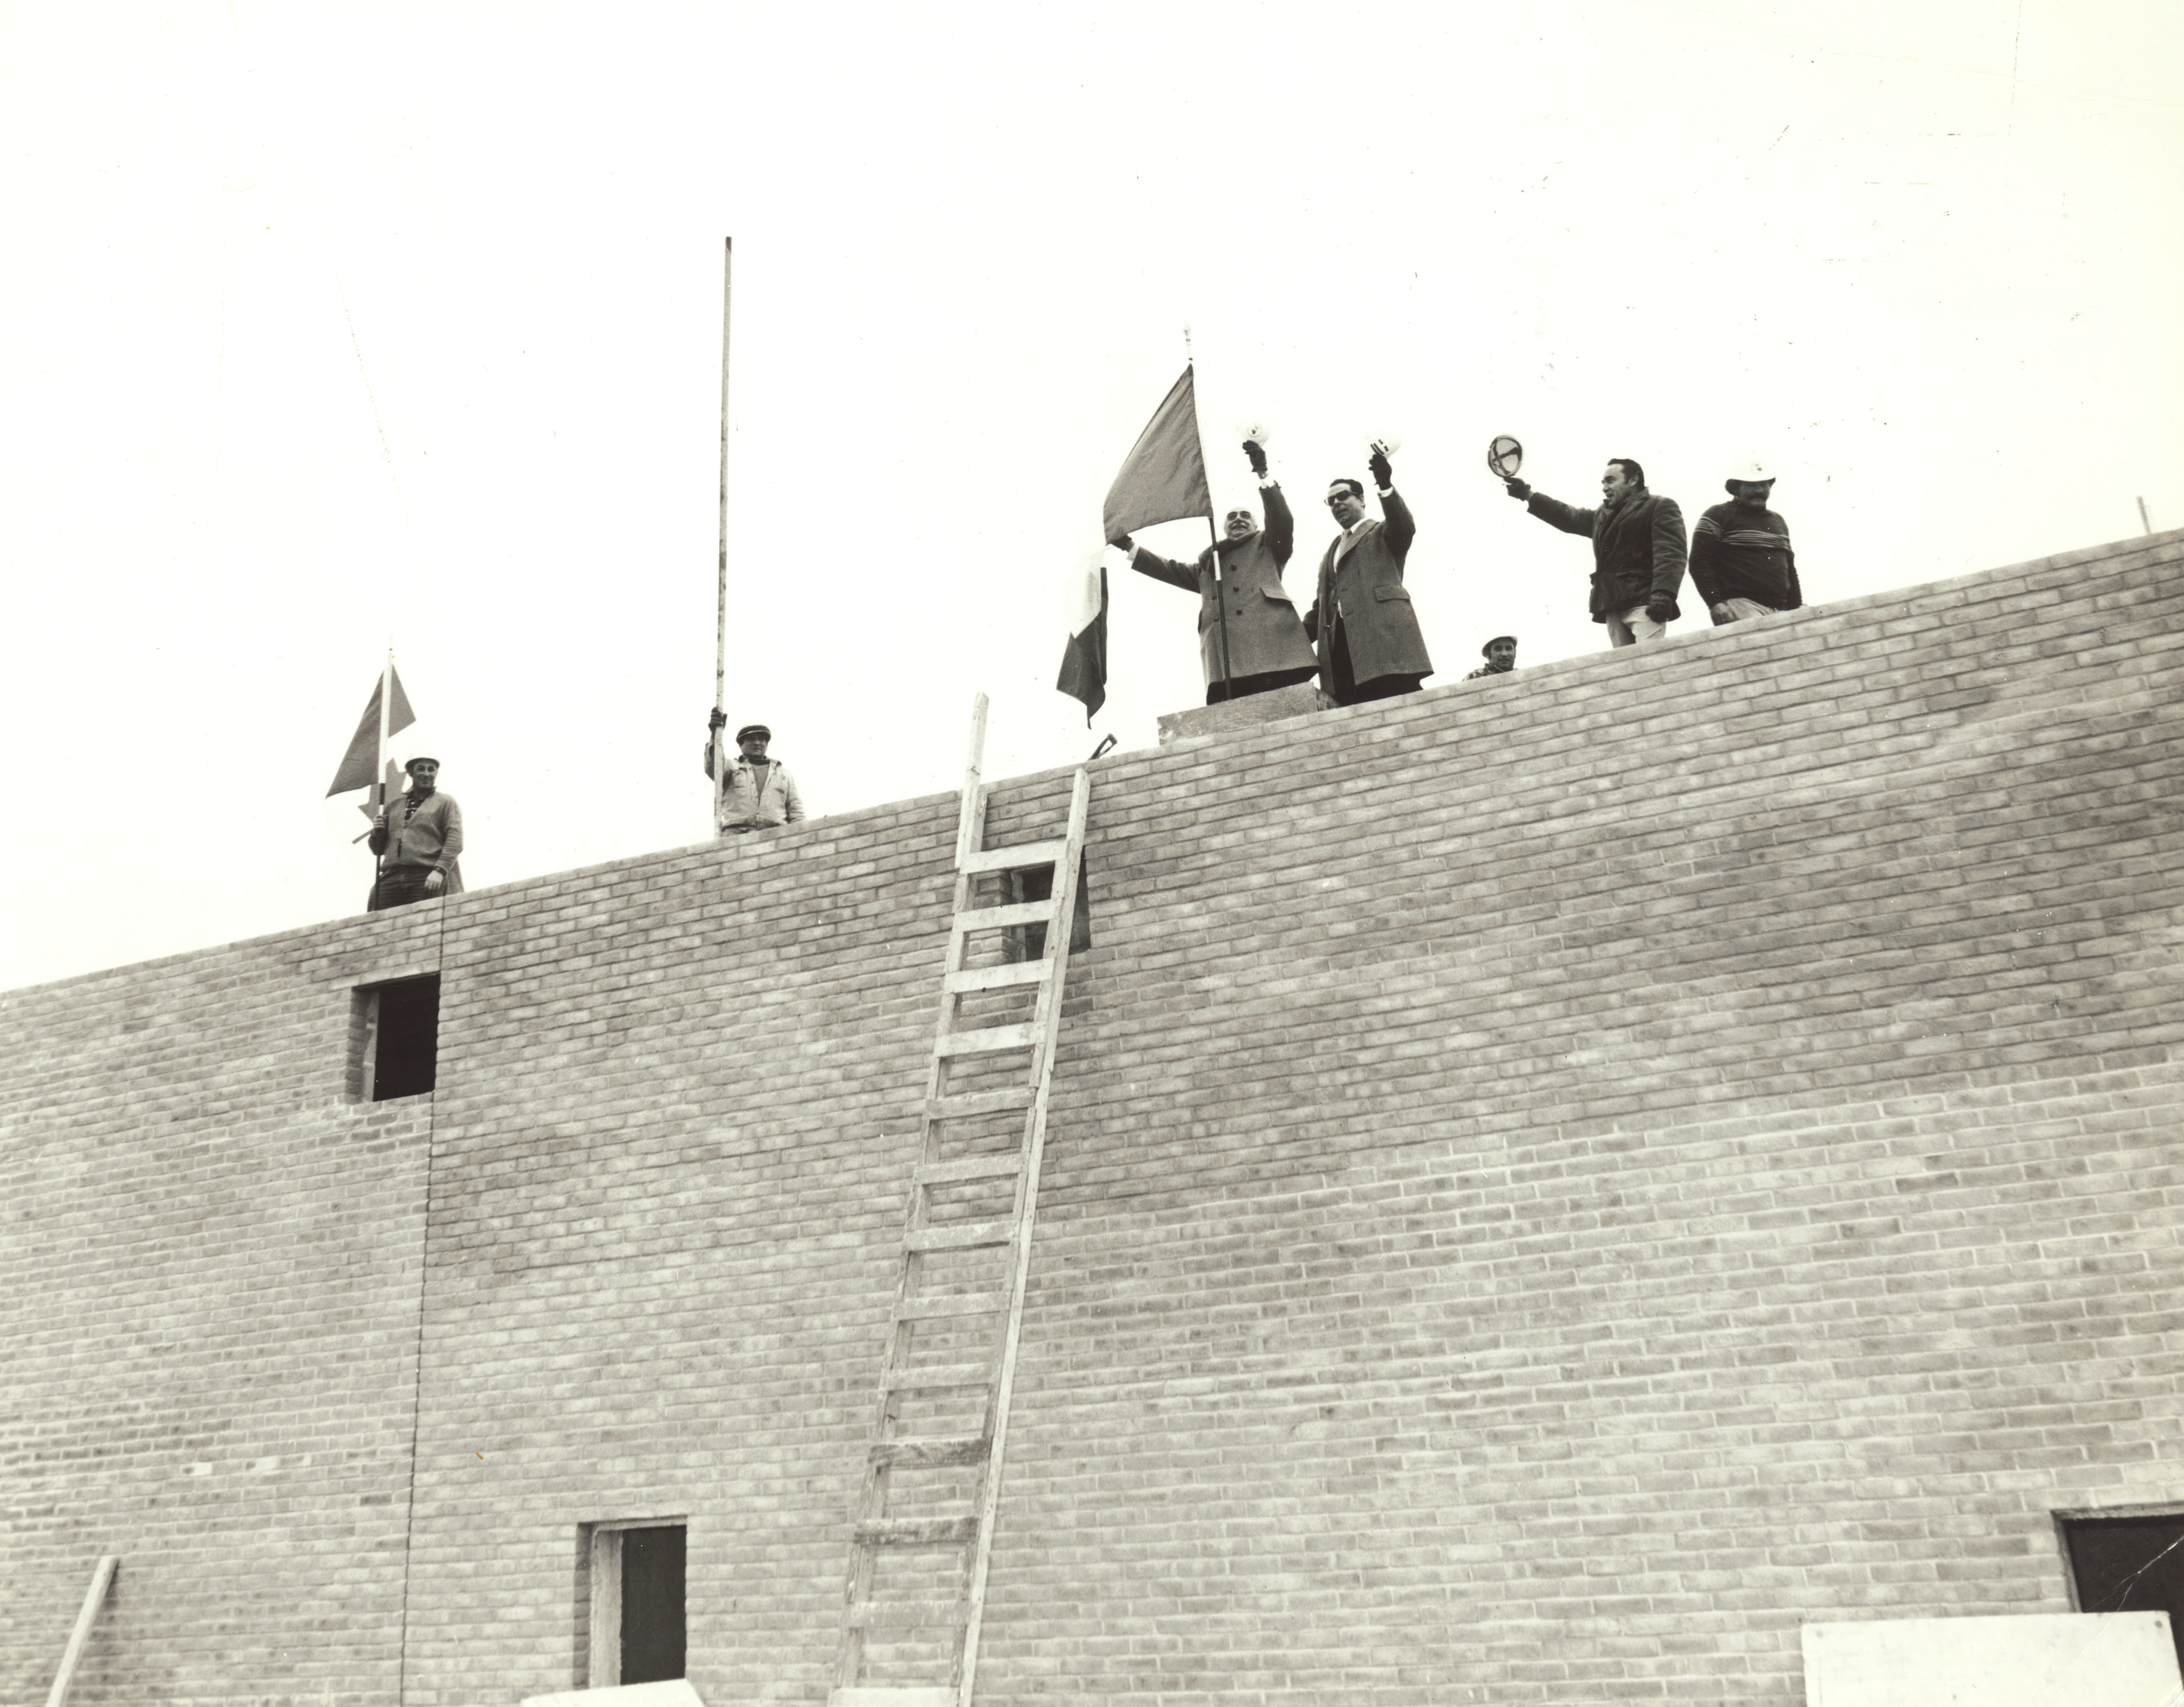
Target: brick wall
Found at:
1552, 1183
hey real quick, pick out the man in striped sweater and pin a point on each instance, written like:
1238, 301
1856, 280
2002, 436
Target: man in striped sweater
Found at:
1741, 562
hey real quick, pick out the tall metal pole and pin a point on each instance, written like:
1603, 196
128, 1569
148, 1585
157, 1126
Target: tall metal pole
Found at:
379, 770
721, 628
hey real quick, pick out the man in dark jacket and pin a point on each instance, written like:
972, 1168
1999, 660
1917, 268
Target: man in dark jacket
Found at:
1637, 550
1370, 646
1741, 563
1249, 637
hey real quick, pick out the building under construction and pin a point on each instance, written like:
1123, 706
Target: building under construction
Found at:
1557, 1188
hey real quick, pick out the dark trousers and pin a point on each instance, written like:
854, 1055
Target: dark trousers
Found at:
397, 887
1237, 687
1344, 688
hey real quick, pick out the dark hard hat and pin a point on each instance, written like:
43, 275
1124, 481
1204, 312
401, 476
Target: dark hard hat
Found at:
750, 729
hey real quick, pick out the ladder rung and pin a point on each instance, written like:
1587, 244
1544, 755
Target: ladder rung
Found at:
941, 1376
916, 1532
906, 1615
960, 1235
965, 1103
992, 1167
952, 1304
999, 977
922, 1696
1022, 857
912, 1453
1016, 913
986, 1038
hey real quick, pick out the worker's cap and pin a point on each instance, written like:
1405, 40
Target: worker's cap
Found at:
751, 729
1487, 650
409, 764
1753, 470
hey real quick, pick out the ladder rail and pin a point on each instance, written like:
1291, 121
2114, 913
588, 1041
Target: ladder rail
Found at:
102, 1578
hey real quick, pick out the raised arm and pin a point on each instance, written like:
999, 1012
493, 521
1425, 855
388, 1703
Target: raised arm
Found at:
1281, 525
1167, 569
1397, 526
1557, 514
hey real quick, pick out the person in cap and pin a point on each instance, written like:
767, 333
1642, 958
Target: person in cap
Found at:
1243, 607
1501, 655
1637, 550
417, 838
758, 793
1741, 563
1370, 645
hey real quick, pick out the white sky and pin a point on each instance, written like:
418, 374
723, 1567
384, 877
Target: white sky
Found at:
326, 326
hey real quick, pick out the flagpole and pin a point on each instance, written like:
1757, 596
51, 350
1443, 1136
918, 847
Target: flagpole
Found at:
721, 628
379, 770
1220, 604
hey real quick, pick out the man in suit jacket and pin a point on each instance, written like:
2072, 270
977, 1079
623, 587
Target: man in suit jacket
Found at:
1637, 550
1370, 647
1249, 637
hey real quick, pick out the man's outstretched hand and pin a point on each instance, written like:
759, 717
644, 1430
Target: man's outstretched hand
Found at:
1520, 490
1120, 541
1384, 475
1256, 454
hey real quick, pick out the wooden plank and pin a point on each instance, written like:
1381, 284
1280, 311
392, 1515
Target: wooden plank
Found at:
963, 1105
997, 977
912, 1453
915, 1531
998, 1166
985, 1039
102, 1579
921, 1696
1024, 857
906, 1615
964, 1236
938, 1378
994, 918
952, 1303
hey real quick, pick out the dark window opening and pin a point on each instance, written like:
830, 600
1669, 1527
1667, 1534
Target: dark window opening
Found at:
634, 1632
401, 1039
1036, 883
2129, 1565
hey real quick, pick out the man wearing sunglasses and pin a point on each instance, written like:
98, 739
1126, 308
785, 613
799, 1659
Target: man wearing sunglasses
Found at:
1370, 646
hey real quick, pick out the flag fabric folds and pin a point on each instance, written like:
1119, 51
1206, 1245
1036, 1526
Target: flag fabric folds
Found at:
360, 762
1163, 478
1085, 659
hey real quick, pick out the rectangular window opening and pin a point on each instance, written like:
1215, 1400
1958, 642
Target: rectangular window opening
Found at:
1036, 883
2128, 1562
394, 1037
636, 1628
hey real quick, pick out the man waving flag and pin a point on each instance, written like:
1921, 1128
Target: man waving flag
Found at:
1163, 478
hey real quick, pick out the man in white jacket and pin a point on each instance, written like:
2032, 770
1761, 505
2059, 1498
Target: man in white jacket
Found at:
759, 793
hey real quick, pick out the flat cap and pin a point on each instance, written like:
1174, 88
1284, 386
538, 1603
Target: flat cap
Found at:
751, 729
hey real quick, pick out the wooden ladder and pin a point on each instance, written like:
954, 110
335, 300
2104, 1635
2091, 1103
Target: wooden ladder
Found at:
917, 1589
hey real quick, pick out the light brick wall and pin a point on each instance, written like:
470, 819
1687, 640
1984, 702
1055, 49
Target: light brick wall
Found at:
1553, 1182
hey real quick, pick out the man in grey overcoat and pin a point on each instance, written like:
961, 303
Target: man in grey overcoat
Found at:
1250, 639
1370, 646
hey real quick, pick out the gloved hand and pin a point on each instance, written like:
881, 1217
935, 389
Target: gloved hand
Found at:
1662, 611
1120, 541
1384, 477
717, 722
1517, 489
1256, 454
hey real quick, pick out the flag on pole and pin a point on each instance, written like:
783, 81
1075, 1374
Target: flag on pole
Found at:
1163, 478
362, 760
1085, 659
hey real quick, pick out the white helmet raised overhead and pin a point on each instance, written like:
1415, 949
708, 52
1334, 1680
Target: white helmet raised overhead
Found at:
1750, 469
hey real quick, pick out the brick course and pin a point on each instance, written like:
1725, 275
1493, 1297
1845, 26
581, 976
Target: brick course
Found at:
1553, 1182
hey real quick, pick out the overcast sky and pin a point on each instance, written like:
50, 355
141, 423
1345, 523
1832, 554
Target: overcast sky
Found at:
324, 328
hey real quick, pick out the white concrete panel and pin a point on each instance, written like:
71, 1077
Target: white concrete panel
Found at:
2062, 1659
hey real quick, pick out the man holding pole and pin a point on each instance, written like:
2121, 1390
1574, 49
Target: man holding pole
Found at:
1249, 639
417, 838
756, 792
1370, 645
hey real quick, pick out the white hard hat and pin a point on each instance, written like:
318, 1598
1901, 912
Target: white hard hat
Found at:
1752, 468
